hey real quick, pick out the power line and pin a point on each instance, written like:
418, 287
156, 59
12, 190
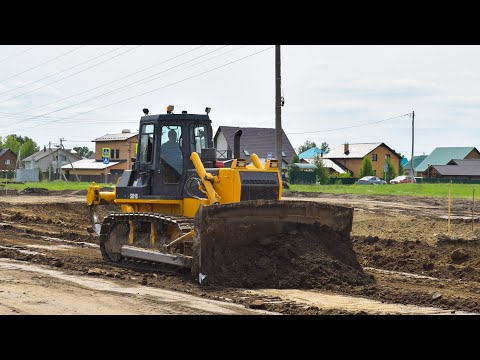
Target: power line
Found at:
66, 77
46, 62
350, 127
138, 82
59, 72
111, 82
154, 90
17, 54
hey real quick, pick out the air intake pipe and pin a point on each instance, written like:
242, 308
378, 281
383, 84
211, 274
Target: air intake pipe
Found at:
236, 144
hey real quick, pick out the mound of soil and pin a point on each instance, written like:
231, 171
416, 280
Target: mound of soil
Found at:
34, 191
279, 245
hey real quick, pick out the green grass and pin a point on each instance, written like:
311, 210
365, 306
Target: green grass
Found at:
52, 185
430, 190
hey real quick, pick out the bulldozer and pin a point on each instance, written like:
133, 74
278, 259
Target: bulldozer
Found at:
225, 220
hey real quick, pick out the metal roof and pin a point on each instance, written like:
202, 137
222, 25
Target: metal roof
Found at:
442, 155
116, 137
304, 166
42, 153
89, 164
260, 141
329, 164
310, 153
459, 167
416, 161
356, 151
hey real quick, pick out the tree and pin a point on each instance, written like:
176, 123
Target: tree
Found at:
83, 151
390, 174
322, 172
401, 170
295, 159
306, 146
367, 168
14, 142
324, 147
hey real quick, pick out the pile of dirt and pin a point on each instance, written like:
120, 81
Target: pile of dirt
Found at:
34, 191
276, 245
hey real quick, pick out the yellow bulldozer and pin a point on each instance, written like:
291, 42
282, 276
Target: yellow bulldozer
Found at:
224, 220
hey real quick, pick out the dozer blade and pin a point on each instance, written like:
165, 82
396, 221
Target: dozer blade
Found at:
280, 244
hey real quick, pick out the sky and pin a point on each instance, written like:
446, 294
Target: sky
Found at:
334, 94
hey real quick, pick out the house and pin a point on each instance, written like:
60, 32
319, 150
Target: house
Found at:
455, 169
442, 155
122, 149
309, 155
416, 161
92, 170
8, 159
350, 157
56, 158
260, 141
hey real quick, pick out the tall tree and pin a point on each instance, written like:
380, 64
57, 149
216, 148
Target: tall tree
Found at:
321, 171
83, 151
307, 145
295, 159
367, 168
390, 174
325, 147
14, 142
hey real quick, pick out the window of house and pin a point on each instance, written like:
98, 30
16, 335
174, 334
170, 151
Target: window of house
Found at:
8, 162
112, 154
387, 156
117, 153
374, 157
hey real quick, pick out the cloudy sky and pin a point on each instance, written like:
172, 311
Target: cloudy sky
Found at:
82, 92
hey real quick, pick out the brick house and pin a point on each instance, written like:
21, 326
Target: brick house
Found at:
7, 159
350, 157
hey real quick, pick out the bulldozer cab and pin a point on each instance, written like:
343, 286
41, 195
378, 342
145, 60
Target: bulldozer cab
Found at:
165, 144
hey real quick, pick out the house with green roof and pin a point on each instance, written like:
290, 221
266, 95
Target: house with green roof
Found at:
443, 155
416, 161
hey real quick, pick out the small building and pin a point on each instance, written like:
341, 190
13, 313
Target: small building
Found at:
350, 157
54, 158
260, 141
310, 154
416, 161
443, 155
468, 169
92, 170
122, 148
8, 159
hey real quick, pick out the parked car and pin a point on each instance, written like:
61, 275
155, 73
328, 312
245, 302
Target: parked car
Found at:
371, 180
402, 179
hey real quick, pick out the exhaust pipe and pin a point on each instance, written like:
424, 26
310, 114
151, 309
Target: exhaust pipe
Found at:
236, 144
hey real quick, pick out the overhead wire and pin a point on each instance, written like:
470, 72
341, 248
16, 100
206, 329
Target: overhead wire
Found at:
68, 76
136, 83
157, 89
46, 62
17, 54
348, 127
108, 83
59, 72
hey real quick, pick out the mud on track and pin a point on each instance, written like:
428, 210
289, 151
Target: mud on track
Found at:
401, 243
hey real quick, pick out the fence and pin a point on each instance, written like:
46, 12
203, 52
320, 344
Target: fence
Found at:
303, 177
342, 181
27, 175
446, 180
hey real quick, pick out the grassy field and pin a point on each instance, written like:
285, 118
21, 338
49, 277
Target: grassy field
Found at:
53, 185
431, 190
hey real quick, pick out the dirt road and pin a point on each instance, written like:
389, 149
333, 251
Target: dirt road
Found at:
46, 255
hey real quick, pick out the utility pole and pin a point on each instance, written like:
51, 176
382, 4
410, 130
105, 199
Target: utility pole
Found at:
278, 108
411, 161
49, 163
70, 162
